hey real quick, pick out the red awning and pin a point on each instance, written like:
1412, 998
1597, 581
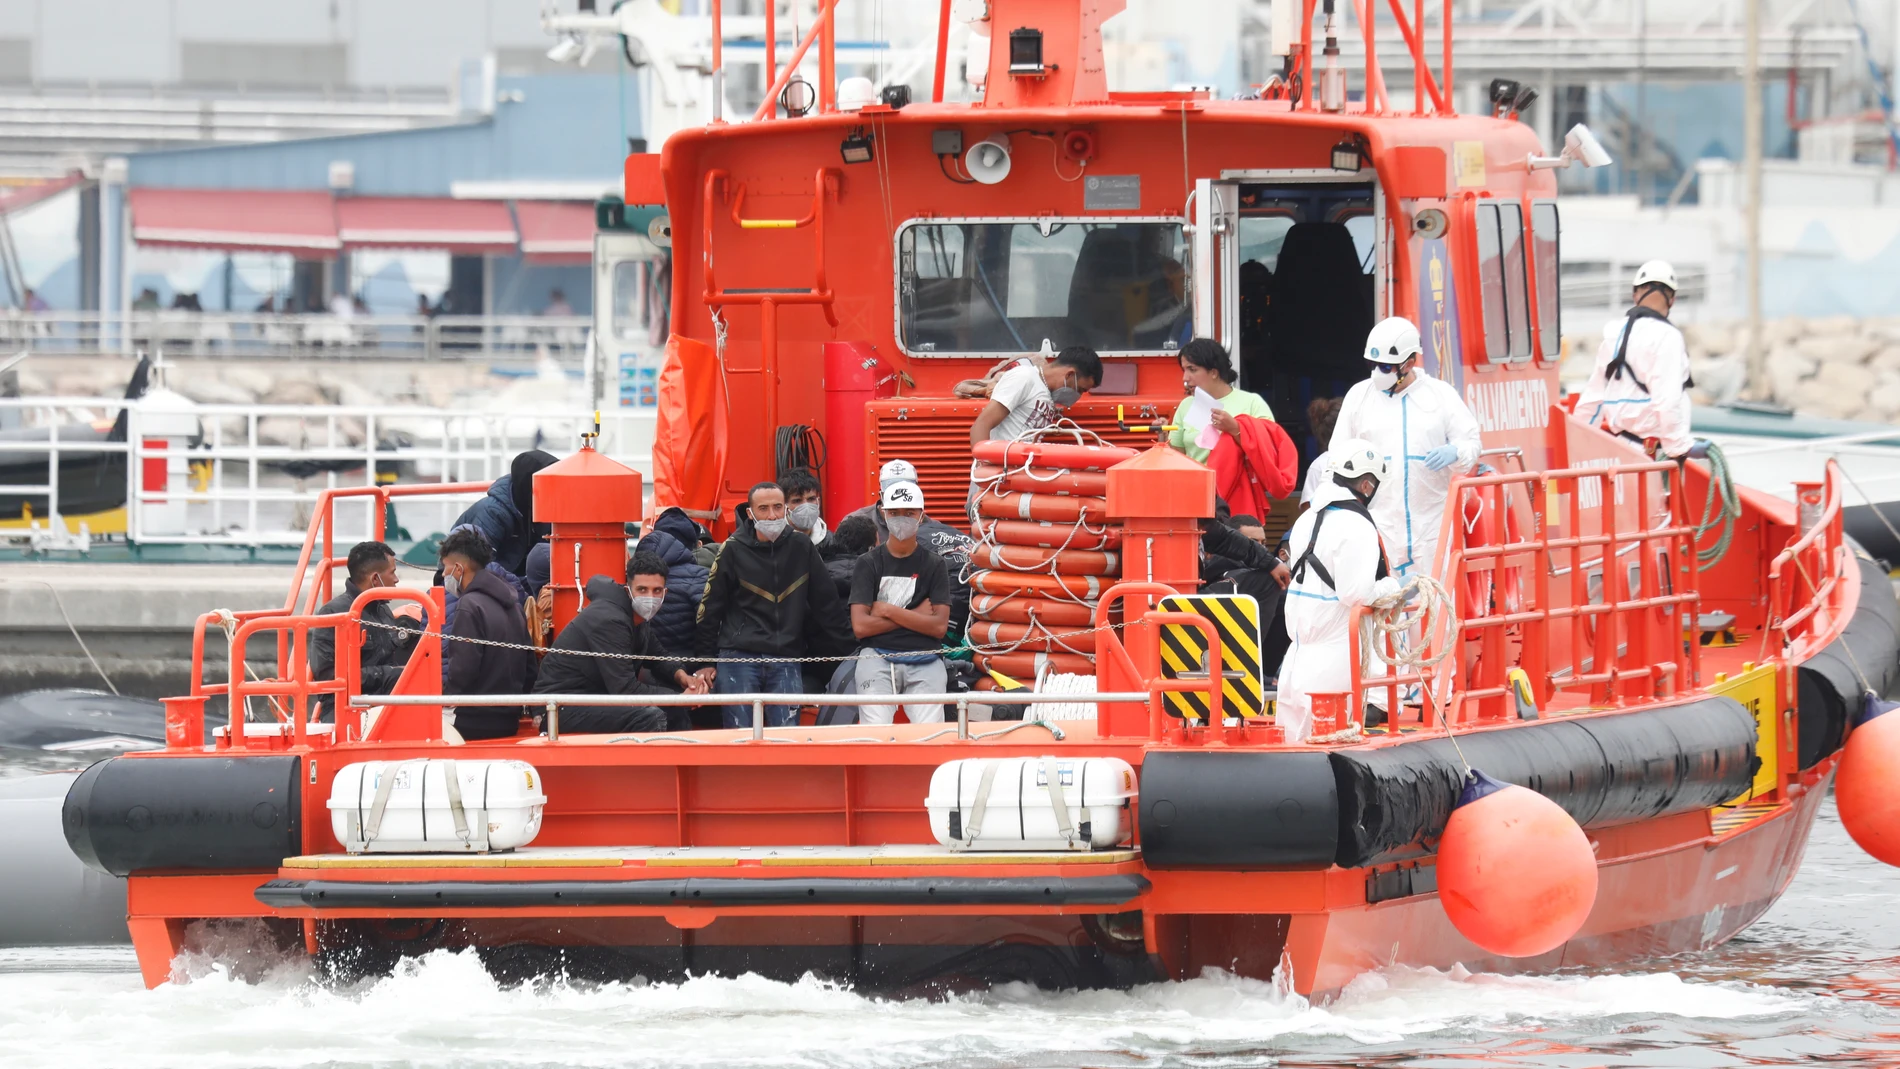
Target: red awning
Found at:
556, 232
467, 227
239, 220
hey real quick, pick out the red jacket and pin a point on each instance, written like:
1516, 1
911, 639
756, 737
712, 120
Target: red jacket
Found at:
1262, 463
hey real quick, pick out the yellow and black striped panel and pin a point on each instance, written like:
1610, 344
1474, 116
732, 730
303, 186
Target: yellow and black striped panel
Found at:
1184, 653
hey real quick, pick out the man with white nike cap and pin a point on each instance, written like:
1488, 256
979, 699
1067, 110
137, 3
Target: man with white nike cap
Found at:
900, 611
1423, 431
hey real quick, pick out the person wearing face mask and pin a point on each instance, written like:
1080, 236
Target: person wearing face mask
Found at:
1425, 434
1030, 395
385, 652
487, 610
769, 596
900, 610
803, 507
1333, 572
671, 537
615, 620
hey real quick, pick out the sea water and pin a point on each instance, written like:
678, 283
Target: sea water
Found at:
1816, 981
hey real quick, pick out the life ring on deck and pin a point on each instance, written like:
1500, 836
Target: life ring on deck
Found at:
1041, 480
1049, 507
1026, 666
1048, 535
1052, 454
1038, 559
1016, 637
1024, 608
1071, 588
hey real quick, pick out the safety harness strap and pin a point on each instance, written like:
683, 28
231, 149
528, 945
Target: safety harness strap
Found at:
1307, 559
1619, 366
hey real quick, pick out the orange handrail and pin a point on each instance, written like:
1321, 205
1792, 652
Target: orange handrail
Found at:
1815, 556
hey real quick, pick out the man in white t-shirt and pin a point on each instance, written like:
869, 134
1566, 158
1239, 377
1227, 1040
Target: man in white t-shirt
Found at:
1027, 397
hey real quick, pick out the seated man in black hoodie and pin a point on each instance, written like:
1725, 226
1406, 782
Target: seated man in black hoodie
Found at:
615, 620
488, 610
769, 596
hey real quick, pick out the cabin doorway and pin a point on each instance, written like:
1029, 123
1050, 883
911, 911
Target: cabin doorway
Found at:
1296, 283
1290, 282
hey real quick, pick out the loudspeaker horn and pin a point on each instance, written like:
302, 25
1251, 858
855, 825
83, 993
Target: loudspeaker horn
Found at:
988, 159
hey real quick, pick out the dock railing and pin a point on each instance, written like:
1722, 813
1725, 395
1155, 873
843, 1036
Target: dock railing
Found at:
257, 473
515, 340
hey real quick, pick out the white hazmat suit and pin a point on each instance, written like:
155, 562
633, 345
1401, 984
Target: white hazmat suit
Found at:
1318, 613
1410, 504
1648, 396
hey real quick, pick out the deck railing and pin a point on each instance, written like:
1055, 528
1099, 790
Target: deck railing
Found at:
1587, 572
516, 340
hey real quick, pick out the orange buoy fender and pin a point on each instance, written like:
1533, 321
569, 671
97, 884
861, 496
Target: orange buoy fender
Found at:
1060, 587
1031, 558
1516, 874
1052, 455
1054, 507
1041, 480
1031, 637
1048, 535
1023, 608
1865, 786
1024, 666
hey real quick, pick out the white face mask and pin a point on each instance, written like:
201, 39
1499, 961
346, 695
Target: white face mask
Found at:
646, 608
805, 516
1384, 380
452, 583
769, 530
902, 528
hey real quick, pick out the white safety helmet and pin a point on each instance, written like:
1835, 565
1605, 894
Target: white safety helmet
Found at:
1658, 272
1392, 341
896, 471
1354, 460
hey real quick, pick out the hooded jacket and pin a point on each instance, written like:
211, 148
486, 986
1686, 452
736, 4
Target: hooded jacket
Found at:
605, 625
1260, 465
506, 514
772, 599
685, 585
487, 610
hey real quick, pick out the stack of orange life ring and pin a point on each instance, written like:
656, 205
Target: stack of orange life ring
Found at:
1045, 552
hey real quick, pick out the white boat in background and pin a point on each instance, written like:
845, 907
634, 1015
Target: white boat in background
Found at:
1768, 448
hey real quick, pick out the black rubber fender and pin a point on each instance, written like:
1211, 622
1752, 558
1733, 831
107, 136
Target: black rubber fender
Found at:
131, 814
1238, 810
1828, 684
1602, 770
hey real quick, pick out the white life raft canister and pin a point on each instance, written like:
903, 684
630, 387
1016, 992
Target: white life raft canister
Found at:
436, 806
1031, 803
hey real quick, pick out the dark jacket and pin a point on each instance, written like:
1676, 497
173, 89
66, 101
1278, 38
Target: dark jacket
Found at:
774, 599
508, 531
605, 625
487, 610
384, 653
508, 579
685, 585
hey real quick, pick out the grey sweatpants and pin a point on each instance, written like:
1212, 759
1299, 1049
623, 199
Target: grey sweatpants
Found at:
879, 676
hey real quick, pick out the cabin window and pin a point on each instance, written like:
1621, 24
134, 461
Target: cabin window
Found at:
1545, 246
1006, 286
1503, 282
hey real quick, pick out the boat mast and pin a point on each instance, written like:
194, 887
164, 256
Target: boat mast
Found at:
1751, 204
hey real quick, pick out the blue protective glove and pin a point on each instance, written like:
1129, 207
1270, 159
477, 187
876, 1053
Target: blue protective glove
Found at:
1700, 450
1442, 457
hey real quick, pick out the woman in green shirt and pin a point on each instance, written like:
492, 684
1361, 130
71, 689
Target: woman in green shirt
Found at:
1204, 365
